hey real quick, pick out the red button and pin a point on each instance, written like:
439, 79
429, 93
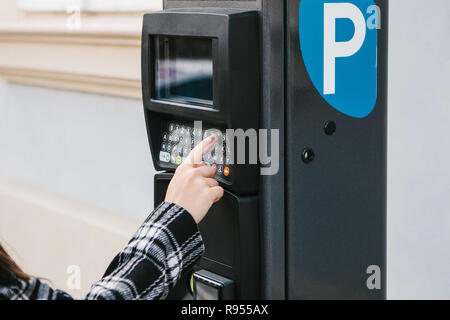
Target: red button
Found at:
226, 171
214, 166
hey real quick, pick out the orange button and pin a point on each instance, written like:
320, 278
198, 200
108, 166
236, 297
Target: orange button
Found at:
226, 171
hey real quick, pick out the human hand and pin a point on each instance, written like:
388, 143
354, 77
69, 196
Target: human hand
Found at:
193, 186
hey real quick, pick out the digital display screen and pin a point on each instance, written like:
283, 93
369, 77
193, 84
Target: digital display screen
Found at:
184, 70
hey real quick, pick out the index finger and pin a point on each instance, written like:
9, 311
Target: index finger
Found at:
196, 155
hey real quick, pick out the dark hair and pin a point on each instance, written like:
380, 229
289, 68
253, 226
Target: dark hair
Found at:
7, 262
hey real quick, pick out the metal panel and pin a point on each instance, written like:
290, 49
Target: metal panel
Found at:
336, 205
272, 188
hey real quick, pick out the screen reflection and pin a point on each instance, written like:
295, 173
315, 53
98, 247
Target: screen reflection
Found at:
184, 70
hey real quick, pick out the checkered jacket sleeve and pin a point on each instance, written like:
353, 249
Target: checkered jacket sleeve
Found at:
166, 244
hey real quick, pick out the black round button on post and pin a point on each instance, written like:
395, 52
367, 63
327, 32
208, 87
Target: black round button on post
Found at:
329, 128
307, 155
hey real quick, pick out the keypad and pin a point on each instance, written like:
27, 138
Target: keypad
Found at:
178, 139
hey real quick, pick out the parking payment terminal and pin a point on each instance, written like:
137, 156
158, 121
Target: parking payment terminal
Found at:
200, 74
313, 224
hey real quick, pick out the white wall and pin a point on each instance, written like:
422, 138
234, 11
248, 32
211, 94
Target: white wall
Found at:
419, 150
88, 147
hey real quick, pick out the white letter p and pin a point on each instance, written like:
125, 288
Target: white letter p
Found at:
333, 49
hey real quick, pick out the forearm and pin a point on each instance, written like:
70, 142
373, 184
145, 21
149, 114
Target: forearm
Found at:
165, 245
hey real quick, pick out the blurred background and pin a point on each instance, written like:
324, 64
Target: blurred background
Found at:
76, 176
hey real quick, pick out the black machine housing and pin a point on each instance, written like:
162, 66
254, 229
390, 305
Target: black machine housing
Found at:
311, 230
235, 58
231, 229
230, 233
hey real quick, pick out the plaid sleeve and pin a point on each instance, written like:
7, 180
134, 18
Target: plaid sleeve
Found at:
167, 244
